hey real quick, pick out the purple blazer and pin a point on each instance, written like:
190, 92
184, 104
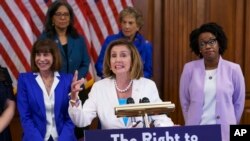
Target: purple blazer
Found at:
230, 93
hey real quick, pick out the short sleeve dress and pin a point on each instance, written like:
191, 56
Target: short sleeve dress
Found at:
6, 92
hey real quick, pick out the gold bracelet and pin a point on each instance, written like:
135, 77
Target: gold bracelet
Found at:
70, 96
75, 101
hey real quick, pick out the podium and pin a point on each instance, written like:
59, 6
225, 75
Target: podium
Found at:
144, 110
175, 133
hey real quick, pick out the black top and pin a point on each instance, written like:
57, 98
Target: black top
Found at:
65, 48
6, 92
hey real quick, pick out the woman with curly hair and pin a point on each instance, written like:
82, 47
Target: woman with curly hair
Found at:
212, 90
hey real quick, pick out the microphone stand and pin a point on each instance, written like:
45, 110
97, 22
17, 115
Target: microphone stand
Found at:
130, 100
145, 120
145, 114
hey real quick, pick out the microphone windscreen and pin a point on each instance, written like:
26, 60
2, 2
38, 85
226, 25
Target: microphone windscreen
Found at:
130, 100
145, 100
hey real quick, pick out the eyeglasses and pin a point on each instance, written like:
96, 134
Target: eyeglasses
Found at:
210, 42
59, 14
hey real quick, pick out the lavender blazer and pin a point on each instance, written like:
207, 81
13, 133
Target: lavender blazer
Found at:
230, 93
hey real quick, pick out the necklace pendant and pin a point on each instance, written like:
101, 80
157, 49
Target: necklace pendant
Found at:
210, 77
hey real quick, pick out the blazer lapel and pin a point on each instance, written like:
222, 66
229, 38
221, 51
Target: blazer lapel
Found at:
70, 45
200, 75
113, 97
38, 93
59, 45
136, 94
58, 87
219, 76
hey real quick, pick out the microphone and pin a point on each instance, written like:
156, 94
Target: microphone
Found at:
130, 100
146, 100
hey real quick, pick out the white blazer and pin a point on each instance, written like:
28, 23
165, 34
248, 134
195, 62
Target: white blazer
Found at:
103, 98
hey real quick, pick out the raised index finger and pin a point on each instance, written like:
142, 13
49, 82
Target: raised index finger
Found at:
75, 76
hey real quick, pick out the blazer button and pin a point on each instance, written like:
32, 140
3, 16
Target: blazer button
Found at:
217, 117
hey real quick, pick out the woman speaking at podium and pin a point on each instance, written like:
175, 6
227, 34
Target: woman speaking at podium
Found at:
123, 71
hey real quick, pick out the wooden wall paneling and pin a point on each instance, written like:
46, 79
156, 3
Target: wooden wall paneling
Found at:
167, 46
197, 18
157, 44
171, 48
238, 29
177, 18
242, 31
152, 31
143, 7
174, 21
247, 48
15, 127
222, 12
180, 44
166, 43
174, 58
202, 10
246, 114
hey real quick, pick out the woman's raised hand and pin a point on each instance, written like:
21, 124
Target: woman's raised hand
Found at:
76, 86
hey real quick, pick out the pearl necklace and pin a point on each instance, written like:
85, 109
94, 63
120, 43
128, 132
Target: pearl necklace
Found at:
124, 90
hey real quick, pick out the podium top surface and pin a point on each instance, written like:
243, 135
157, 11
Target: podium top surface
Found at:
140, 109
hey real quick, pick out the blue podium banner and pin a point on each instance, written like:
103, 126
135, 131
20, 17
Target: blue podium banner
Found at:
176, 133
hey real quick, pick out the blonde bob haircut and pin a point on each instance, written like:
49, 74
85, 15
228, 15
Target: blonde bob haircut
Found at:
136, 70
132, 11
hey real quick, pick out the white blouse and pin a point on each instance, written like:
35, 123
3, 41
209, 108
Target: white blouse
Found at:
49, 101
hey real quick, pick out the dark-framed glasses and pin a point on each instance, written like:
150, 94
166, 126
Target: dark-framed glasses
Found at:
59, 14
210, 42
